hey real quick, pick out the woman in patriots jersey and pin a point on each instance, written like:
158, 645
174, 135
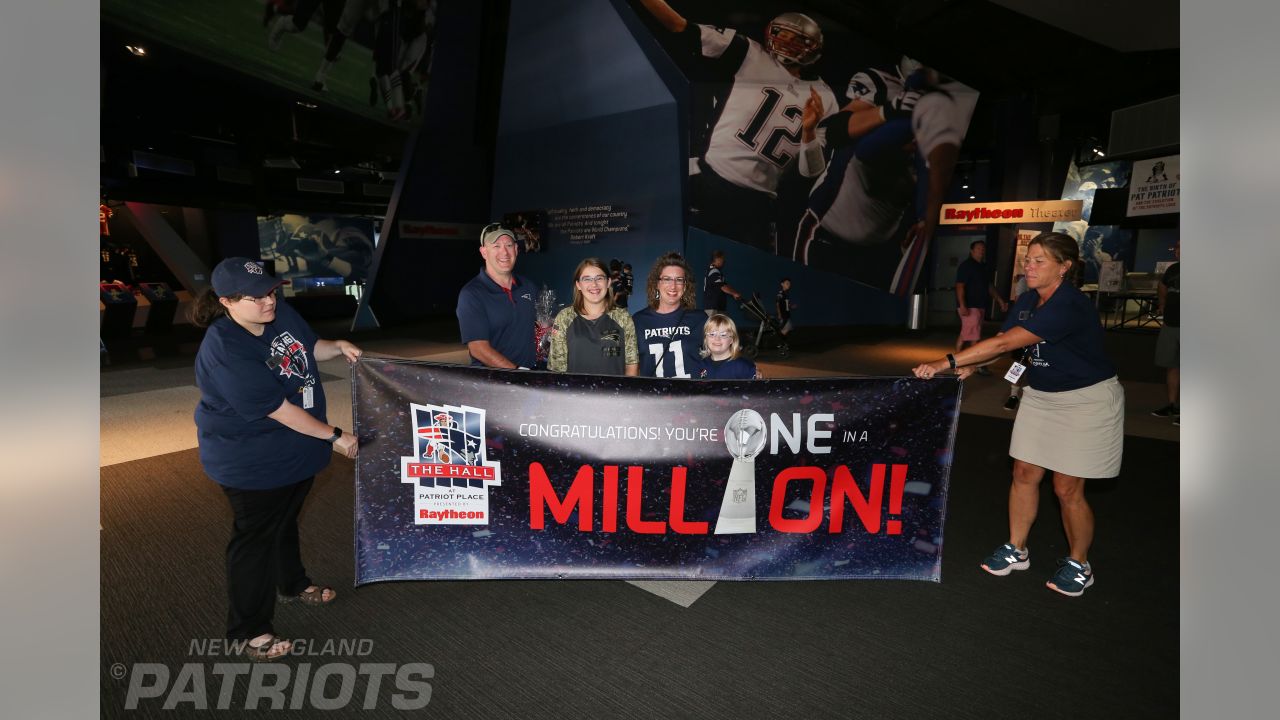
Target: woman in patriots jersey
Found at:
669, 331
767, 122
263, 436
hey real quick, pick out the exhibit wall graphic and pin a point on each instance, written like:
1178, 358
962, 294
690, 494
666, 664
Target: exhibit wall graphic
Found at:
852, 199
1101, 243
587, 152
483, 474
1022, 241
1155, 188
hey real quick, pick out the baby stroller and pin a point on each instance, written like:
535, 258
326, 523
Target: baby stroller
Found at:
753, 341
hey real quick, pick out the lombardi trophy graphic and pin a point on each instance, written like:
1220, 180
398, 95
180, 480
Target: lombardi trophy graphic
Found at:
744, 435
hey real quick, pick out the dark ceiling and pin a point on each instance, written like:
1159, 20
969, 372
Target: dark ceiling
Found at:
178, 105
172, 103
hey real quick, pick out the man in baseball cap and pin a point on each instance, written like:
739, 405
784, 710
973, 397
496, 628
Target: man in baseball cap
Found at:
242, 276
496, 308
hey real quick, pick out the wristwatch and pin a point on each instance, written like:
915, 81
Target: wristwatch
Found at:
337, 433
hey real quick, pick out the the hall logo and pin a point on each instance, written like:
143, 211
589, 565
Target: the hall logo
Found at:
450, 475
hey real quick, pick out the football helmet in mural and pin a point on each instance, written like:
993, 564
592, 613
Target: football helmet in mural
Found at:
794, 39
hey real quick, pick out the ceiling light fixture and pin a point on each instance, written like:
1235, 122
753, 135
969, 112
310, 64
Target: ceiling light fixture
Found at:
137, 50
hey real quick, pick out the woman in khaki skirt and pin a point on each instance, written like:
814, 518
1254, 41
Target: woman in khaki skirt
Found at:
1071, 418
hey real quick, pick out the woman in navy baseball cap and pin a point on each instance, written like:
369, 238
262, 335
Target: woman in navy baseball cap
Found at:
263, 435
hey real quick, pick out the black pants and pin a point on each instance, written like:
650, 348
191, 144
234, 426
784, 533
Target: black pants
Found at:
263, 555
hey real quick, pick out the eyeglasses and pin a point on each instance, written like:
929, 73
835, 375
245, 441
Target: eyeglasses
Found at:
720, 334
259, 300
592, 279
664, 280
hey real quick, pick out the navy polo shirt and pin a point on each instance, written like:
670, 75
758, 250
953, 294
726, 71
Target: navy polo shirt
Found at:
976, 277
1071, 355
242, 379
487, 311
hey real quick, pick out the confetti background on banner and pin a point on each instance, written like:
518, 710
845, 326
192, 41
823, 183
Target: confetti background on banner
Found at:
888, 450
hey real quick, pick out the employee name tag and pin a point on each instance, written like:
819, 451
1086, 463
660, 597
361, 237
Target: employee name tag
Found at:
308, 397
1015, 372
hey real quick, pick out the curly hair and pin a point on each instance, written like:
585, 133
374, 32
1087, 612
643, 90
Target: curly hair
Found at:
671, 259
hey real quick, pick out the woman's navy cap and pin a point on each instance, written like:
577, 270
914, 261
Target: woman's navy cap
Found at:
242, 276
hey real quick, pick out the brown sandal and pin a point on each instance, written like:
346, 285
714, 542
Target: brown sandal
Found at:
313, 597
267, 651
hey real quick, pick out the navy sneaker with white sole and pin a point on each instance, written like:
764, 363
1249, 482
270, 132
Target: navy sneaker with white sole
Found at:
1072, 578
1006, 559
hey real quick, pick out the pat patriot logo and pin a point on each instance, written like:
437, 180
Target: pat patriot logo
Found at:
450, 475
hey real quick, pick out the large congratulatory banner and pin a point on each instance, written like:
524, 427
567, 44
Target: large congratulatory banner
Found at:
477, 473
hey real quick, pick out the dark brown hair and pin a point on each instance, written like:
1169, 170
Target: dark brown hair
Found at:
207, 307
579, 302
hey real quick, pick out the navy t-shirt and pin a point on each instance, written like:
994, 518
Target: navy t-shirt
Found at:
673, 339
713, 297
486, 311
739, 368
784, 305
1071, 355
242, 379
976, 278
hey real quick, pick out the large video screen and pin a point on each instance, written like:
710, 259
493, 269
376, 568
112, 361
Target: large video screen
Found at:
318, 253
370, 57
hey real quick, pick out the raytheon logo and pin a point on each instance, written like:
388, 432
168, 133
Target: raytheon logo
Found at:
448, 470
983, 213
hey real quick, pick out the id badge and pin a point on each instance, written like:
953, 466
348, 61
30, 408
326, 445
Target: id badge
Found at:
308, 397
1015, 372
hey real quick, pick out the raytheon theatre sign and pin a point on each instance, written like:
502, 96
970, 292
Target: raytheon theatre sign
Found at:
1031, 211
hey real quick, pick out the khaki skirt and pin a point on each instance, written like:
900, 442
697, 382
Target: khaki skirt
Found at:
1076, 432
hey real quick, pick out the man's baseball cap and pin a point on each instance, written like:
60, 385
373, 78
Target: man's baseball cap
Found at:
242, 276
493, 231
